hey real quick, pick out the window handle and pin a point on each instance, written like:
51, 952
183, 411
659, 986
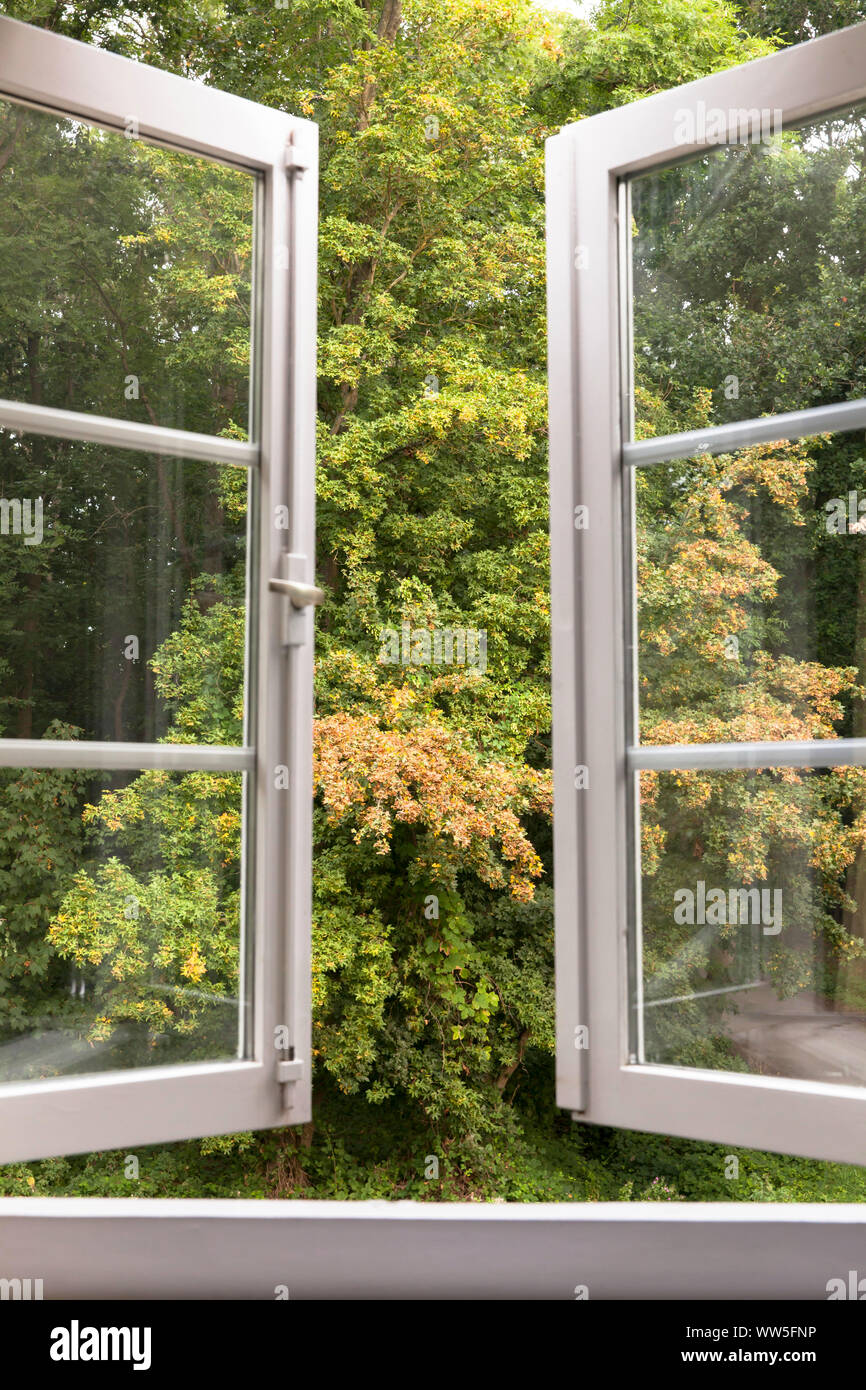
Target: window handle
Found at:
297, 627
301, 595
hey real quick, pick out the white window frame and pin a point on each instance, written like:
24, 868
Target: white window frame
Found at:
158, 1104
592, 455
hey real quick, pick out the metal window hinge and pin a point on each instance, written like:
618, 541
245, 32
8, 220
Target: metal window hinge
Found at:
296, 162
297, 628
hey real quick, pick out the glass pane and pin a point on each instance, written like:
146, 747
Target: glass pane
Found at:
125, 276
120, 919
751, 594
753, 951
749, 294
122, 578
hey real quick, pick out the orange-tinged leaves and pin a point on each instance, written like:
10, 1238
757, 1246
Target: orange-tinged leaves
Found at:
376, 779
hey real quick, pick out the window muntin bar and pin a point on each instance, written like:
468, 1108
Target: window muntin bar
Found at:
721, 439
843, 752
24, 418
187, 757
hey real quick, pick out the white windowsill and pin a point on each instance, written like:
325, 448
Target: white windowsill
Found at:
128, 1248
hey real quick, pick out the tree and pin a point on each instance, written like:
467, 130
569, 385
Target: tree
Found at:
433, 930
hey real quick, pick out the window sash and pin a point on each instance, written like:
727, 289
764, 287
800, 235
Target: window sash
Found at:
159, 1104
591, 575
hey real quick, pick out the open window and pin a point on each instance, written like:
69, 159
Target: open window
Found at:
708, 494
157, 410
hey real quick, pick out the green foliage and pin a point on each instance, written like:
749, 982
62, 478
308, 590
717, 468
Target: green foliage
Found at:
628, 49
433, 1025
40, 845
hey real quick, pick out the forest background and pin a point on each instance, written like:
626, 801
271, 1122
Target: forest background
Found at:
433, 1034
